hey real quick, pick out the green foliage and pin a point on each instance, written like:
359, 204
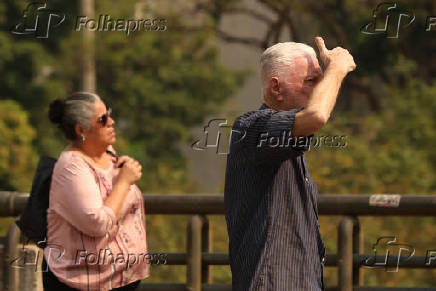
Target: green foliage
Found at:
159, 84
17, 157
388, 152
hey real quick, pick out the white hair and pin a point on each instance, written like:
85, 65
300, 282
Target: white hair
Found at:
280, 58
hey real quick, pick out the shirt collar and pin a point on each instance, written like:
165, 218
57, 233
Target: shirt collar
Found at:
264, 106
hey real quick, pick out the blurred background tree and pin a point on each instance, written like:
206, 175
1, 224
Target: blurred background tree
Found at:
386, 109
17, 156
158, 83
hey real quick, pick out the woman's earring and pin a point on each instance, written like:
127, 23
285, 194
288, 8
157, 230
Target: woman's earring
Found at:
83, 138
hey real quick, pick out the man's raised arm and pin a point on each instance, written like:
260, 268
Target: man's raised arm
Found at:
338, 62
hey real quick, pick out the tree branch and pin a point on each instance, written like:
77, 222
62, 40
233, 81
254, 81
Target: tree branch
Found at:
252, 13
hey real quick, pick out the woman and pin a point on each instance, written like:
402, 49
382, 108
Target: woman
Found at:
96, 236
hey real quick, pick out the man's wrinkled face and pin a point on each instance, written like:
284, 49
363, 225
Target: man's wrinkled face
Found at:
297, 84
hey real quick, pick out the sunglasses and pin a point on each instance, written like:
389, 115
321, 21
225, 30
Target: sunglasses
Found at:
104, 118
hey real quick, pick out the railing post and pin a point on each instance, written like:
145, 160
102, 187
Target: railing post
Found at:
345, 254
193, 260
206, 239
357, 249
10, 275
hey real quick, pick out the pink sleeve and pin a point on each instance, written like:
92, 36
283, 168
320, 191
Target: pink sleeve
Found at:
76, 197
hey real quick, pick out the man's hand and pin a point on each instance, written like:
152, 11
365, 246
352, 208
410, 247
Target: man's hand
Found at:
338, 58
338, 63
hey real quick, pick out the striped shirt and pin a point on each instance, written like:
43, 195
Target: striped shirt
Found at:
271, 206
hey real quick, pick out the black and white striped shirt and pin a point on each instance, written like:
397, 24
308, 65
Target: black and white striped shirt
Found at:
271, 206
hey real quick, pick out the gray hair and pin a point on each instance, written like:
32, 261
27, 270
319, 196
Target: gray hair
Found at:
78, 108
279, 58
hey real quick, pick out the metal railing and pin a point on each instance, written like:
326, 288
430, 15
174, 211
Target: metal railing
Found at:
198, 256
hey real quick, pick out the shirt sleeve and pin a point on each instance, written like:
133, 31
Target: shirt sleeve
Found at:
76, 197
269, 136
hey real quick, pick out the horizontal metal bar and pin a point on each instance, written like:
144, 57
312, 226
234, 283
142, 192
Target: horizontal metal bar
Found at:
226, 287
413, 205
181, 287
329, 204
394, 288
331, 260
161, 287
413, 262
216, 258
13, 203
391, 262
176, 259
216, 287
375, 288
207, 258
184, 203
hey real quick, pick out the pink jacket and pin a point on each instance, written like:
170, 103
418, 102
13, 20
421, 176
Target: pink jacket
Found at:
87, 248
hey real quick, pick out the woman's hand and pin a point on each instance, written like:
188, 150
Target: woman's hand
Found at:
131, 170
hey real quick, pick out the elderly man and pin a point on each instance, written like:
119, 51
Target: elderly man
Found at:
270, 198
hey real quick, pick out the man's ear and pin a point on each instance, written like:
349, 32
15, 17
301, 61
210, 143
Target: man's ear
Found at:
274, 87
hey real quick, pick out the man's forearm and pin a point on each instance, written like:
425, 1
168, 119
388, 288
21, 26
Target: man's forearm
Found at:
323, 97
320, 104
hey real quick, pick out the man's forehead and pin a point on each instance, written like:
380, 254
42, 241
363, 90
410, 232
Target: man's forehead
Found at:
306, 60
306, 64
